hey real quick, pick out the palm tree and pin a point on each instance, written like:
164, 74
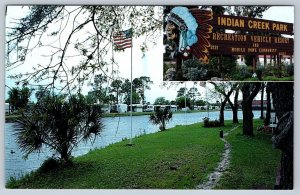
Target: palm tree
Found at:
58, 124
161, 117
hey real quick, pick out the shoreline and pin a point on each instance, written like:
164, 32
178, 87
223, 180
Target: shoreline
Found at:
13, 118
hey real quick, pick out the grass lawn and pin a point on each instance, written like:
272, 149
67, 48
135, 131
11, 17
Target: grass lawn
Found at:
12, 117
179, 158
253, 161
272, 78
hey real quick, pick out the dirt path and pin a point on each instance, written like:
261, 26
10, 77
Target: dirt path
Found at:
214, 177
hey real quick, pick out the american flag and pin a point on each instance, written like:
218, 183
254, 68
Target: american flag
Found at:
123, 39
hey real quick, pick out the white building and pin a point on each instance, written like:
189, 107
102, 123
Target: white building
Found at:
149, 108
173, 108
285, 59
120, 108
137, 108
106, 108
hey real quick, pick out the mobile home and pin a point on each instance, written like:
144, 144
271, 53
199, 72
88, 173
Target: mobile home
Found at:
106, 108
173, 108
120, 108
137, 107
149, 108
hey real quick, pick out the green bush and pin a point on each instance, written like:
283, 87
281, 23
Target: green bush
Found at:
193, 69
274, 70
49, 165
290, 69
252, 79
272, 78
208, 123
242, 73
269, 70
260, 72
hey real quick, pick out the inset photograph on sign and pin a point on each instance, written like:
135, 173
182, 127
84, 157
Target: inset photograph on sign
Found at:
228, 43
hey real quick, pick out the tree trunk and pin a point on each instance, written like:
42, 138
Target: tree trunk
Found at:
236, 107
220, 62
235, 115
117, 96
262, 101
279, 66
254, 61
163, 124
268, 113
249, 90
221, 117
283, 99
247, 119
64, 154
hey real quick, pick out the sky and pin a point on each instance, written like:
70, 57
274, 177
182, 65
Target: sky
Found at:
150, 65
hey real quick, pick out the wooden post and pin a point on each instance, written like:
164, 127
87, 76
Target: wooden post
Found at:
279, 65
254, 64
221, 66
265, 60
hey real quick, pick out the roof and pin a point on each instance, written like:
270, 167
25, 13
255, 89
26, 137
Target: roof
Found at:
254, 102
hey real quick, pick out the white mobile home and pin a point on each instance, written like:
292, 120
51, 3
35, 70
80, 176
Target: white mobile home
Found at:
120, 108
149, 108
137, 107
185, 109
173, 108
105, 108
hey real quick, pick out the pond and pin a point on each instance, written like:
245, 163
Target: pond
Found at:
116, 129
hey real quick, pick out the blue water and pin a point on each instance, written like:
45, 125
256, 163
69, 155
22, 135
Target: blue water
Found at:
115, 130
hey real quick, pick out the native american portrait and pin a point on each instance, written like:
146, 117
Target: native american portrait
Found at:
186, 33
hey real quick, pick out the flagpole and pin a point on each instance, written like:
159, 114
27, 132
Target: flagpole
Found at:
130, 142
203, 84
207, 105
185, 101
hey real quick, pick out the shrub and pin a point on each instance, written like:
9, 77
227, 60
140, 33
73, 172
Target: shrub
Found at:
49, 165
290, 70
161, 117
272, 78
193, 69
242, 72
208, 123
259, 72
